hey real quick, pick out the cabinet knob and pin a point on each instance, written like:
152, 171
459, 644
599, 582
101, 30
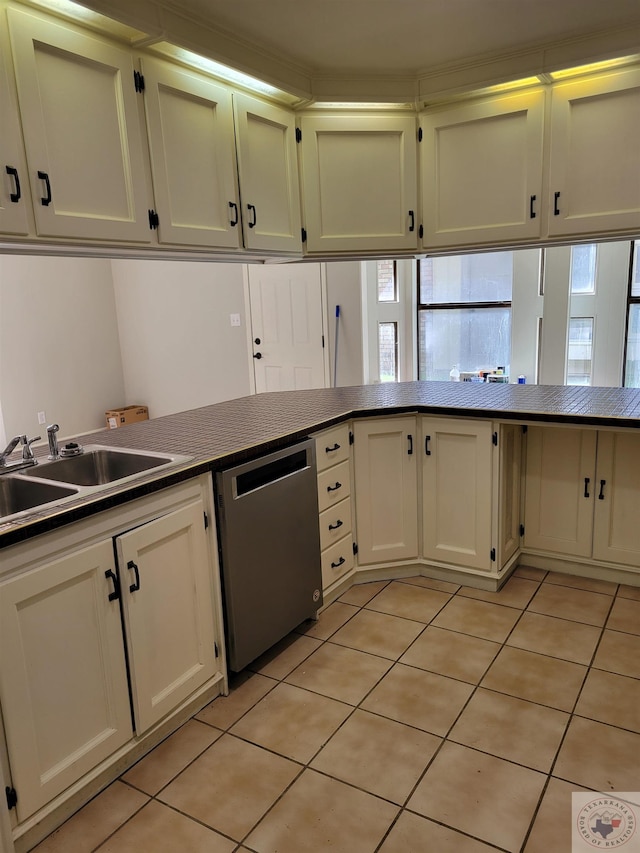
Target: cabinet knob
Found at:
257, 355
257, 341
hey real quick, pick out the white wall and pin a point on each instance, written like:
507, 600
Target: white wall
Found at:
59, 349
344, 289
179, 350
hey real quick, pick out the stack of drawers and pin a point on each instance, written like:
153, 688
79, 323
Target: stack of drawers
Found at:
334, 503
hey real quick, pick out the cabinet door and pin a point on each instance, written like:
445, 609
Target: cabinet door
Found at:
457, 492
386, 484
14, 190
594, 167
359, 181
168, 611
509, 494
63, 680
559, 485
481, 167
190, 125
268, 169
616, 534
81, 130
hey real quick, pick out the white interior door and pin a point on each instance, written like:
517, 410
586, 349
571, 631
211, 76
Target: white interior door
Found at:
287, 327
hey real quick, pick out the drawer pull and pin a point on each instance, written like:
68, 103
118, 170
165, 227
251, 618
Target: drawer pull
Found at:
336, 525
602, 485
234, 207
45, 200
556, 209
136, 584
427, 439
113, 596
336, 446
532, 213
340, 562
586, 487
410, 448
13, 172
334, 488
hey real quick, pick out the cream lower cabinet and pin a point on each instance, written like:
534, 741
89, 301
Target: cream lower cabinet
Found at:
581, 494
457, 494
386, 483
70, 674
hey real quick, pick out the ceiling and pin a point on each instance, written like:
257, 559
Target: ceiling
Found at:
379, 49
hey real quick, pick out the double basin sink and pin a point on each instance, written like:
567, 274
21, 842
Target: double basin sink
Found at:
50, 483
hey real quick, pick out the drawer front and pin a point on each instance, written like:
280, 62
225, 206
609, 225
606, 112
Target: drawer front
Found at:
337, 561
335, 523
332, 447
334, 485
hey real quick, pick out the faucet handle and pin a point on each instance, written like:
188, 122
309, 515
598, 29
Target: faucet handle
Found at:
27, 452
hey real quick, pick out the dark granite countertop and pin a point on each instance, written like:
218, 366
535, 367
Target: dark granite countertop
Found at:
226, 433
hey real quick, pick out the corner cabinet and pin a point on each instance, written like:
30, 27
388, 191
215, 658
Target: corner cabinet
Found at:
81, 130
359, 182
481, 169
98, 652
594, 162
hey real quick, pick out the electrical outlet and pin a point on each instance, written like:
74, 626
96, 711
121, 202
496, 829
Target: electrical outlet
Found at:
235, 319
42, 418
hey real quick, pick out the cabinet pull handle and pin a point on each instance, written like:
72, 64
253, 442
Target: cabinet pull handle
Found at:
252, 209
336, 446
234, 207
427, 439
410, 449
556, 209
46, 201
136, 585
586, 486
334, 488
336, 525
602, 485
14, 174
412, 221
532, 213
113, 596
257, 355
339, 563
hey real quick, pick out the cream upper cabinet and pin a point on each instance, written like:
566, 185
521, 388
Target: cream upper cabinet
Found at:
559, 489
594, 165
457, 462
268, 169
14, 185
481, 168
190, 128
386, 486
616, 523
167, 606
359, 182
63, 678
81, 130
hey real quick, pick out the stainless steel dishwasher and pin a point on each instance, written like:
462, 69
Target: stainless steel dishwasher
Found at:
270, 549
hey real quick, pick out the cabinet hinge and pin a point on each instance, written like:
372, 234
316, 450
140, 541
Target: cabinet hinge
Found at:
12, 798
154, 220
355, 548
421, 231
524, 429
522, 530
303, 233
419, 134
206, 520
138, 81
298, 135
494, 439
493, 555
351, 438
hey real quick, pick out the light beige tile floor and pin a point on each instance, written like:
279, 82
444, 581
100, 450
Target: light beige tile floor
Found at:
414, 716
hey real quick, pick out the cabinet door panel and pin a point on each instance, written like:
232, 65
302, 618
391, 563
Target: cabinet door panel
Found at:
510, 467
359, 177
14, 189
595, 156
457, 493
616, 534
386, 490
559, 490
169, 622
190, 124
482, 170
268, 168
63, 679
80, 122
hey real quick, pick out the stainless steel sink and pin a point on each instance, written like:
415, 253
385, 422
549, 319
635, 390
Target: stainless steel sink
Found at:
100, 466
19, 495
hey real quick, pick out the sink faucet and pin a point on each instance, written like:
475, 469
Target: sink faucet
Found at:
15, 441
53, 441
27, 453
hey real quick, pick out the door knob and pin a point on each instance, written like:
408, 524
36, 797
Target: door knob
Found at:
257, 355
257, 341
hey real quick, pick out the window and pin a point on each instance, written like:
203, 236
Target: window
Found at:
464, 314
580, 351
388, 351
583, 268
387, 282
632, 360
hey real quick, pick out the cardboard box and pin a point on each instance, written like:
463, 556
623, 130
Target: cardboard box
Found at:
127, 415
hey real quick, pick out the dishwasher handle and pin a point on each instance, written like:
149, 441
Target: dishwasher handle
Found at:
264, 473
